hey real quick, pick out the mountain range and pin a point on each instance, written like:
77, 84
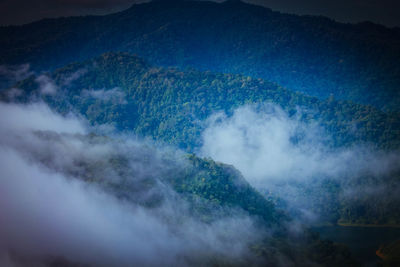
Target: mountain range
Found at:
231, 119
314, 55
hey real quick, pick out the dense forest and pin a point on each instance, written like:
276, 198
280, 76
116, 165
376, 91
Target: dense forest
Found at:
314, 55
217, 134
167, 103
171, 105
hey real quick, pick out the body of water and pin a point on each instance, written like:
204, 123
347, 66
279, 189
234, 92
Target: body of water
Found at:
363, 242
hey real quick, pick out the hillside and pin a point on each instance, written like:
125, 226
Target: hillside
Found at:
168, 103
314, 55
112, 192
172, 106
198, 133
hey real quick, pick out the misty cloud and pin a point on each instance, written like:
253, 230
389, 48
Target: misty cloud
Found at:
13, 93
115, 95
68, 80
57, 199
46, 85
290, 159
15, 73
18, 118
268, 145
9, 75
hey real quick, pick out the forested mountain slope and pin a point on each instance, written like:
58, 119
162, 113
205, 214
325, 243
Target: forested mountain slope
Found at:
145, 192
169, 104
207, 134
123, 90
314, 55
173, 106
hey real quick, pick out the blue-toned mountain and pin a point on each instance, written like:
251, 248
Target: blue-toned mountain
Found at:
168, 104
314, 55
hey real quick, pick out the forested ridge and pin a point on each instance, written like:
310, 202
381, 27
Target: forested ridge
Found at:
168, 103
314, 55
171, 105
220, 134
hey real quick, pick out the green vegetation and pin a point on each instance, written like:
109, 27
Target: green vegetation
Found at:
209, 191
171, 105
224, 185
314, 55
350, 201
207, 185
202, 58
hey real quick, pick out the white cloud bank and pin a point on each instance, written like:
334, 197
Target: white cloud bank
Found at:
268, 146
47, 209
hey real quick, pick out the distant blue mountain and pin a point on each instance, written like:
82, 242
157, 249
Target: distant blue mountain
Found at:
315, 55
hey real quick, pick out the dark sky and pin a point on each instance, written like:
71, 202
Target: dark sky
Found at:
385, 12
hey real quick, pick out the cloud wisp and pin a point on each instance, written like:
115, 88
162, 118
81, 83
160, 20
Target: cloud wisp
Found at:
115, 95
9, 75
